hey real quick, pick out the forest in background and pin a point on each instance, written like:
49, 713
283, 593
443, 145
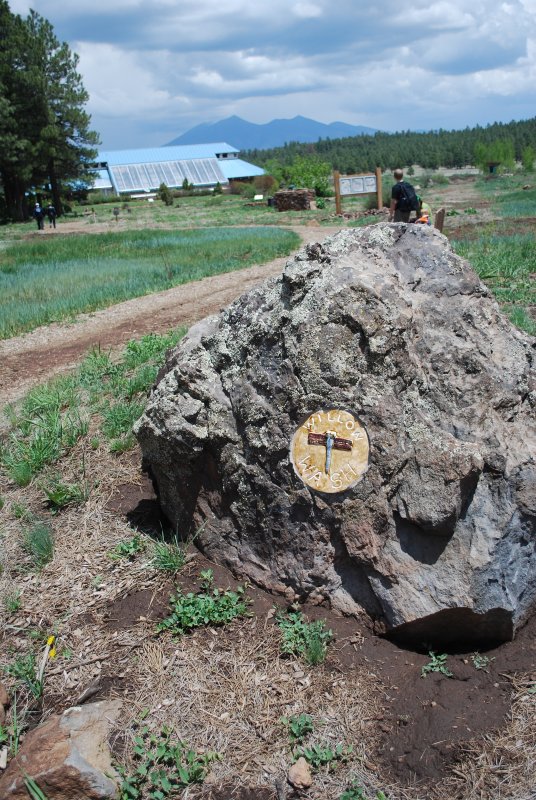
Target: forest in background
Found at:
441, 148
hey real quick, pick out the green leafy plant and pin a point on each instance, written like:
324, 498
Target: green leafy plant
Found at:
481, 662
164, 766
191, 610
308, 640
24, 671
61, 494
437, 663
299, 726
39, 543
127, 549
322, 755
470, 211
355, 792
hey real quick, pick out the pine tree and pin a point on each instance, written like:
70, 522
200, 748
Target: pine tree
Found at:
45, 127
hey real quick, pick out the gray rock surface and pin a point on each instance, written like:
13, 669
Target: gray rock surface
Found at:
438, 538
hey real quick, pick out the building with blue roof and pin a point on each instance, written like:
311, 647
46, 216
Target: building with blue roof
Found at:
144, 170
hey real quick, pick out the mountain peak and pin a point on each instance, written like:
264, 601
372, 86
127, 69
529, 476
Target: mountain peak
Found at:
246, 135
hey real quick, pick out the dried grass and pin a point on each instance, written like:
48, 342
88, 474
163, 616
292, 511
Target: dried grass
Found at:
501, 766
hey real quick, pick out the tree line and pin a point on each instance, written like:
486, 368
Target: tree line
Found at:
45, 137
441, 148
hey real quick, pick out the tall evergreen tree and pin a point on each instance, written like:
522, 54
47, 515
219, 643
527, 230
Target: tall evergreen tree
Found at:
46, 124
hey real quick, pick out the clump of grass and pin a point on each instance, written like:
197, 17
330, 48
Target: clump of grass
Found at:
12, 601
307, 640
24, 671
169, 556
38, 542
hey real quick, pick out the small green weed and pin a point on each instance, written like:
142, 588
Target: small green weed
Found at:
24, 671
437, 663
195, 610
12, 601
127, 549
21, 511
169, 556
470, 211
61, 494
308, 640
163, 767
480, 661
39, 543
299, 726
321, 755
355, 792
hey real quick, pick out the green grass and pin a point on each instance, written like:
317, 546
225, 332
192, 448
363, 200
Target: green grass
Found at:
38, 541
506, 264
55, 277
55, 416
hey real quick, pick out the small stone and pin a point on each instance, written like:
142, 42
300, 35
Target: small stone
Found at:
299, 775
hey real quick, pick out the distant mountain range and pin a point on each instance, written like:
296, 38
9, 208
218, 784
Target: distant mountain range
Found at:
249, 136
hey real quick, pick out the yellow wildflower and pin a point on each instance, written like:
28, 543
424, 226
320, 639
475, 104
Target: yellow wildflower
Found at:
52, 653
50, 640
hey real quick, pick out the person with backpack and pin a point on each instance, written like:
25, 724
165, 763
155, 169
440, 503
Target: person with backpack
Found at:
404, 199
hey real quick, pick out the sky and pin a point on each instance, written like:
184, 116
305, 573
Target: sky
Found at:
155, 68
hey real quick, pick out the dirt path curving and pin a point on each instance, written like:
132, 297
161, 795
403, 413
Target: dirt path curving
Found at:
30, 359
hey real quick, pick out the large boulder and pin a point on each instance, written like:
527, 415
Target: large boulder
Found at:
386, 334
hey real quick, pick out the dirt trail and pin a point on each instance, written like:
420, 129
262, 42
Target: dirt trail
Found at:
34, 357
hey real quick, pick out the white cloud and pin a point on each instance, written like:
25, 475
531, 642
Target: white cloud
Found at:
306, 10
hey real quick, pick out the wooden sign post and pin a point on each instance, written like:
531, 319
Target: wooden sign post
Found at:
365, 183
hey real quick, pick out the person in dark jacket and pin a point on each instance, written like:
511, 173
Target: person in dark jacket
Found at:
39, 216
51, 214
401, 207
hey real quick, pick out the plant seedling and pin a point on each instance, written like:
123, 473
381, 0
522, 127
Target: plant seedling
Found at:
321, 755
308, 640
480, 661
127, 549
437, 663
298, 726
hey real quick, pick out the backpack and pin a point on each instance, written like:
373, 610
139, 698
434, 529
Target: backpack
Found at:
408, 200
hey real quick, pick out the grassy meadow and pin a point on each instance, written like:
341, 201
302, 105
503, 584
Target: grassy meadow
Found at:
51, 278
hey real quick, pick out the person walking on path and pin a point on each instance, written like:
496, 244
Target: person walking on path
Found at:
51, 214
39, 215
403, 199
